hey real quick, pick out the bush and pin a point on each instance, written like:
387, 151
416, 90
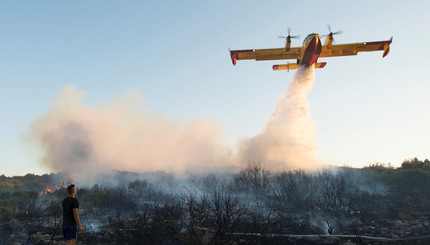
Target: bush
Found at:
6, 214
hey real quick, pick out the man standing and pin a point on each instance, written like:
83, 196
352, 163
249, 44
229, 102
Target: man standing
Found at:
71, 216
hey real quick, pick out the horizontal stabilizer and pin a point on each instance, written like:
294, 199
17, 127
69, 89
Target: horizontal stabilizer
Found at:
293, 66
320, 65
287, 67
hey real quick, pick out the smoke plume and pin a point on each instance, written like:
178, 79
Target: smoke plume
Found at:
83, 139
87, 139
287, 140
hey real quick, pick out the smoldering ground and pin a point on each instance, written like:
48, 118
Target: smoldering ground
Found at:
82, 138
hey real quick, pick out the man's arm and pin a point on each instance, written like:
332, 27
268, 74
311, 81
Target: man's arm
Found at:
78, 220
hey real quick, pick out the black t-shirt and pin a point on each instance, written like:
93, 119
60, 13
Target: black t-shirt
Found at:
69, 203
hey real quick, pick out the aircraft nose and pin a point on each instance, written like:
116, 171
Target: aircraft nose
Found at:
317, 39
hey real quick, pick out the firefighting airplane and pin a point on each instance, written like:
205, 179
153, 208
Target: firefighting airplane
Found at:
309, 53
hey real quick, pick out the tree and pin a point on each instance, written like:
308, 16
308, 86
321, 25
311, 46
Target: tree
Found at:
254, 180
6, 214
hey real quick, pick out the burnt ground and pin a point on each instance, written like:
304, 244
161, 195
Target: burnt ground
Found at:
42, 231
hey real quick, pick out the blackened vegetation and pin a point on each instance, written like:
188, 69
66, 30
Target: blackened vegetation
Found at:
376, 204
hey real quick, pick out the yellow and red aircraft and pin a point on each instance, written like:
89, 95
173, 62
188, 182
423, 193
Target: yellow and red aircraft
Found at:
309, 53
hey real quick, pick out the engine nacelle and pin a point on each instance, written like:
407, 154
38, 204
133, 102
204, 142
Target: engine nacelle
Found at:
288, 44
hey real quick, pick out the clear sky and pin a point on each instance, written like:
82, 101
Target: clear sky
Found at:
175, 54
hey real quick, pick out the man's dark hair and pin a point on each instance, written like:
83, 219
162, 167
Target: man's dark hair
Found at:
70, 189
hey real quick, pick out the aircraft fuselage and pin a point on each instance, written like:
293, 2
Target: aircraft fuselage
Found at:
311, 50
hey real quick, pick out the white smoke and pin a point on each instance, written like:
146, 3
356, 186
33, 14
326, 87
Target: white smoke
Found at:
287, 140
85, 140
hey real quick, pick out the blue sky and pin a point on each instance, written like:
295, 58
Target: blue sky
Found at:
175, 54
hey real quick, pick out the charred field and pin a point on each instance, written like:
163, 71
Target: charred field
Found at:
377, 204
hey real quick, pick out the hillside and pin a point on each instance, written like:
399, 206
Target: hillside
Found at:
377, 203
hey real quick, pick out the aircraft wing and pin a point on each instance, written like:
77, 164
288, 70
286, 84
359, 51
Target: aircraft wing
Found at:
354, 48
265, 54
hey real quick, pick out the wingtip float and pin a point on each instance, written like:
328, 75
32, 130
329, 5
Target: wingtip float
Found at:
311, 50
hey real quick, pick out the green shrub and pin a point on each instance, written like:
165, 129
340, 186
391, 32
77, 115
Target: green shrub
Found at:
6, 214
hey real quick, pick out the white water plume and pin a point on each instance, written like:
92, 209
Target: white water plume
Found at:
287, 140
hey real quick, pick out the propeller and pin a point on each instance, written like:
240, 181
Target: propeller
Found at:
289, 36
331, 34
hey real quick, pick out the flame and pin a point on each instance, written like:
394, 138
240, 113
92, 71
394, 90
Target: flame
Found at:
26, 212
48, 189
